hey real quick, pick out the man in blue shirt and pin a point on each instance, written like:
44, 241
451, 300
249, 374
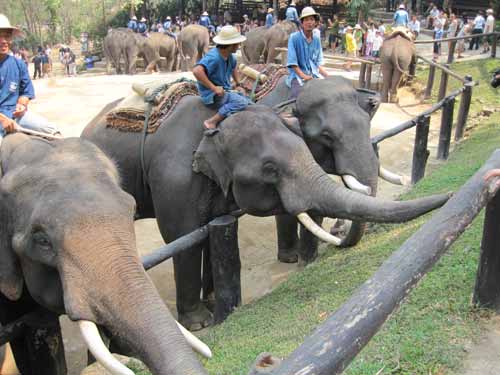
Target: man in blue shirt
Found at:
401, 17
132, 24
205, 21
305, 55
16, 89
142, 28
269, 18
167, 25
214, 72
292, 15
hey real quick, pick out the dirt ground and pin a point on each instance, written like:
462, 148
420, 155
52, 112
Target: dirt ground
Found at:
71, 102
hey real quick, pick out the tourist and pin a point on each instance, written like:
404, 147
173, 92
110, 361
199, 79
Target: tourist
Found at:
142, 28
358, 35
37, 63
350, 47
401, 17
478, 27
489, 28
377, 43
370, 38
269, 18
438, 34
464, 31
132, 24
414, 26
291, 14
333, 32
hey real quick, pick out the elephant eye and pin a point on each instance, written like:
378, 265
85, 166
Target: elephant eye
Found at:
40, 238
270, 170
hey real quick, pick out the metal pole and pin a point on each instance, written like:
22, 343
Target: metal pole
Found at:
430, 82
420, 152
463, 110
445, 132
443, 84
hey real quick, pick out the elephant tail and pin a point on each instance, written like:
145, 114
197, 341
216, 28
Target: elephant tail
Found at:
179, 47
397, 48
244, 54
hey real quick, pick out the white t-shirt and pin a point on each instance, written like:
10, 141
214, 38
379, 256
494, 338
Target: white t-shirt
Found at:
317, 32
490, 24
381, 28
414, 26
370, 36
377, 43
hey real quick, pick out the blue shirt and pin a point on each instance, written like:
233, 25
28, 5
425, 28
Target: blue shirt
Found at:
269, 20
132, 25
205, 21
308, 56
291, 14
167, 25
218, 71
141, 27
14, 82
401, 17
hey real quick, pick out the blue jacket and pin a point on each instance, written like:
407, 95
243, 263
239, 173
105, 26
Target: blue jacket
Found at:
308, 56
291, 14
14, 82
205, 21
132, 25
141, 27
219, 72
269, 20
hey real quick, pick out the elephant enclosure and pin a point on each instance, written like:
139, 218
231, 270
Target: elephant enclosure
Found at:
261, 272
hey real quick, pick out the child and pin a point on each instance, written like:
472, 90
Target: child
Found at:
350, 47
377, 43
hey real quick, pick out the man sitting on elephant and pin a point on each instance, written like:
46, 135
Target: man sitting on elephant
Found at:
214, 72
305, 55
291, 14
16, 88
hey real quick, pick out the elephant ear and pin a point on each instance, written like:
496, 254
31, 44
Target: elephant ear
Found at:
369, 100
208, 159
11, 280
292, 123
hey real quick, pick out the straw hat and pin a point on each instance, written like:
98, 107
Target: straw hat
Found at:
307, 12
228, 35
5, 25
205, 13
270, 10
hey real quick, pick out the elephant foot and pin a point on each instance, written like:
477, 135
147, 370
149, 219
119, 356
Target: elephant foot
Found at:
209, 302
197, 319
287, 255
303, 262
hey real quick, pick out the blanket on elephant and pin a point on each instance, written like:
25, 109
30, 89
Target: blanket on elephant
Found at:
130, 114
273, 71
401, 31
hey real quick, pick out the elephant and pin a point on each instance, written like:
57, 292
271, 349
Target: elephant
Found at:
252, 162
334, 121
123, 42
396, 55
67, 246
193, 41
159, 45
277, 36
253, 47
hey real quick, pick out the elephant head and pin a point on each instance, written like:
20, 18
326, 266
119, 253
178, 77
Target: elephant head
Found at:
268, 170
67, 236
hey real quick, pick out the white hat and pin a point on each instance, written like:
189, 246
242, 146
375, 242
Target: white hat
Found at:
228, 35
205, 13
349, 27
489, 11
292, 4
168, 18
270, 10
307, 12
143, 19
5, 25
245, 16
402, 6
134, 18
357, 26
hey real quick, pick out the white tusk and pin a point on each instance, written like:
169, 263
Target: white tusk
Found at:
198, 345
315, 229
101, 353
355, 185
393, 177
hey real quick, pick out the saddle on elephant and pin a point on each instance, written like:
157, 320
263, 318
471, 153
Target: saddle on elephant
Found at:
401, 31
158, 98
258, 85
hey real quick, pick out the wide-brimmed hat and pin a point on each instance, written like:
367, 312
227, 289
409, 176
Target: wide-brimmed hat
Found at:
307, 12
489, 11
270, 10
134, 18
168, 18
5, 25
401, 6
245, 16
205, 13
228, 35
358, 26
143, 19
349, 27
292, 4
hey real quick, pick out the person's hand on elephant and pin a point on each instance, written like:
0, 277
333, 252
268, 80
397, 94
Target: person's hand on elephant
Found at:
8, 124
240, 89
306, 77
218, 90
20, 110
491, 173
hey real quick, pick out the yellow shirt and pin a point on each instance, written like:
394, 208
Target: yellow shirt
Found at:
350, 43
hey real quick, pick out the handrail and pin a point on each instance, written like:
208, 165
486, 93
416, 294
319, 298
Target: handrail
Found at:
443, 68
335, 343
335, 57
455, 38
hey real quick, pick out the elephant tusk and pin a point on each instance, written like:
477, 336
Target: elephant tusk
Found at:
315, 229
198, 345
101, 353
393, 177
355, 185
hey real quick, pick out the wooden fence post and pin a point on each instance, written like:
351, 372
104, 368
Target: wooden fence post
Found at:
443, 84
420, 152
430, 82
487, 288
226, 265
368, 81
451, 52
463, 110
494, 46
445, 131
362, 75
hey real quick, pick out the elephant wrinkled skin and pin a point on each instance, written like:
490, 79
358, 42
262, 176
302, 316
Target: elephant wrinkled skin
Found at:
67, 245
123, 43
253, 162
159, 45
193, 41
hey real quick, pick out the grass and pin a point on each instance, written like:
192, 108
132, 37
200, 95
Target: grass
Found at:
435, 325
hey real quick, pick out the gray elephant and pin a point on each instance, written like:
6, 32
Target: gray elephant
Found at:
396, 55
193, 41
253, 47
123, 43
159, 45
252, 162
67, 246
277, 36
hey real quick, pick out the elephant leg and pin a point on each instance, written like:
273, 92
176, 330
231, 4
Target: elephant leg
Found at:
288, 240
308, 248
396, 78
386, 81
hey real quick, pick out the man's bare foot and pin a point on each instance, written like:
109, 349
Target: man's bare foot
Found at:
209, 125
213, 121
